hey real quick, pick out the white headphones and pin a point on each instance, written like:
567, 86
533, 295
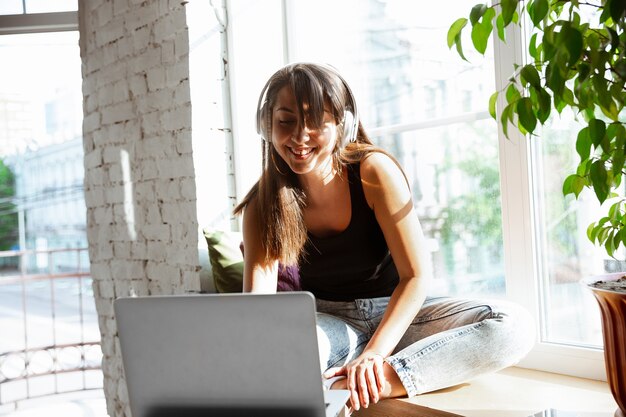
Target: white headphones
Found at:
350, 120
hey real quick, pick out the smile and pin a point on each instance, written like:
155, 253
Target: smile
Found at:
301, 152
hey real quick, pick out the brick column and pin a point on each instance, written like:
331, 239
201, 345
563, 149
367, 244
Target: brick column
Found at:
139, 176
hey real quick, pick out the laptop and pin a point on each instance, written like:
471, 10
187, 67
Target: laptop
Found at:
223, 355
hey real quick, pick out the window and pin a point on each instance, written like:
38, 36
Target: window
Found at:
50, 311
491, 207
422, 103
37, 6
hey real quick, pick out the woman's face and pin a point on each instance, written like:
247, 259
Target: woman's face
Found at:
305, 150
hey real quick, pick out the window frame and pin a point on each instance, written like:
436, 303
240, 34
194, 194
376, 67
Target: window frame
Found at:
14, 24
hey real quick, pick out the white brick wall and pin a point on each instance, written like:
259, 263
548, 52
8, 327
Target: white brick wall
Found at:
136, 103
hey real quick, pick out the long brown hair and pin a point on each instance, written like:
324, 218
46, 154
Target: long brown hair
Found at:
279, 198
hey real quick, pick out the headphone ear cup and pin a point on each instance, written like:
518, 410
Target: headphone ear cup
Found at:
265, 123
349, 128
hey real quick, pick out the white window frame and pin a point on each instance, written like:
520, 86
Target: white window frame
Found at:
522, 268
38, 22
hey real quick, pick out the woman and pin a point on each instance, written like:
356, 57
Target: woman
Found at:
340, 208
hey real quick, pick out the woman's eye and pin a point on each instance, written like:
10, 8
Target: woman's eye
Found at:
285, 122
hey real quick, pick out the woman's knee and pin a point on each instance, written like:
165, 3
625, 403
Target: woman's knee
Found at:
516, 331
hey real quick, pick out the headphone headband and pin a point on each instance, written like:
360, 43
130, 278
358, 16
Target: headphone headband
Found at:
350, 120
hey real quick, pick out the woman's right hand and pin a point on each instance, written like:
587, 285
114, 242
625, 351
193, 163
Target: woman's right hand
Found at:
365, 379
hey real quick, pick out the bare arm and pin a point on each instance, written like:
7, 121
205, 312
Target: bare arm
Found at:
388, 194
259, 276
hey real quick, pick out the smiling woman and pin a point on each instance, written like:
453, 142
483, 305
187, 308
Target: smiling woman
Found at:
302, 142
340, 208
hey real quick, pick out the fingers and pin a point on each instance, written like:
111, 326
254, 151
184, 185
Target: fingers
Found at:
372, 385
353, 387
380, 374
365, 381
336, 371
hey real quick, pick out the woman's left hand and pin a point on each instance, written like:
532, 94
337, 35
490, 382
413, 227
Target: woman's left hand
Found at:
365, 378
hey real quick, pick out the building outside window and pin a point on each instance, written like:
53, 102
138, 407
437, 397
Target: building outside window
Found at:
45, 292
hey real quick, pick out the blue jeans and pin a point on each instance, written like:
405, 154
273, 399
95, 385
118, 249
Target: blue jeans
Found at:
449, 342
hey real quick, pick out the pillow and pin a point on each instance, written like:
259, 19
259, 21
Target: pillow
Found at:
226, 260
226, 256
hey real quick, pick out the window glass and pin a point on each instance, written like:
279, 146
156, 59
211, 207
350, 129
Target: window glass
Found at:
570, 313
456, 191
207, 117
398, 63
11, 7
47, 6
46, 296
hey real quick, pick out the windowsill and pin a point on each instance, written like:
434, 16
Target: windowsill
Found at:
512, 392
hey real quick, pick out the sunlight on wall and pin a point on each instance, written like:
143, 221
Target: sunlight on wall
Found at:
129, 206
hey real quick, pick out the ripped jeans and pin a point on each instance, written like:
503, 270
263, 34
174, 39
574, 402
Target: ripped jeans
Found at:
449, 342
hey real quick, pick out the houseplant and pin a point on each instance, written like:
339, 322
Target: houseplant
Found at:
577, 59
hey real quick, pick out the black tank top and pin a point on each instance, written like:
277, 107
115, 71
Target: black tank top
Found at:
355, 263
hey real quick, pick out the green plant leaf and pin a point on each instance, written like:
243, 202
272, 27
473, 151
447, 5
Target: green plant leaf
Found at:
613, 38
532, 47
455, 31
590, 232
583, 71
620, 68
549, 43
568, 97
500, 27
492, 104
537, 10
482, 30
608, 244
583, 168
512, 94
605, 15
617, 239
620, 134
598, 177
526, 115
530, 76
602, 91
573, 184
559, 104
614, 212
602, 235
597, 131
572, 39
554, 81
477, 12
595, 232
508, 10
617, 10
545, 106
619, 151
505, 117
583, 144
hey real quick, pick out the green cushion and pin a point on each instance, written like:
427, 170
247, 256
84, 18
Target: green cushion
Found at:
226, 259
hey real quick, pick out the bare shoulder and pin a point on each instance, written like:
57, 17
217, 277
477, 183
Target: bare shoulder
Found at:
250, 216
252, 234
378, 169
